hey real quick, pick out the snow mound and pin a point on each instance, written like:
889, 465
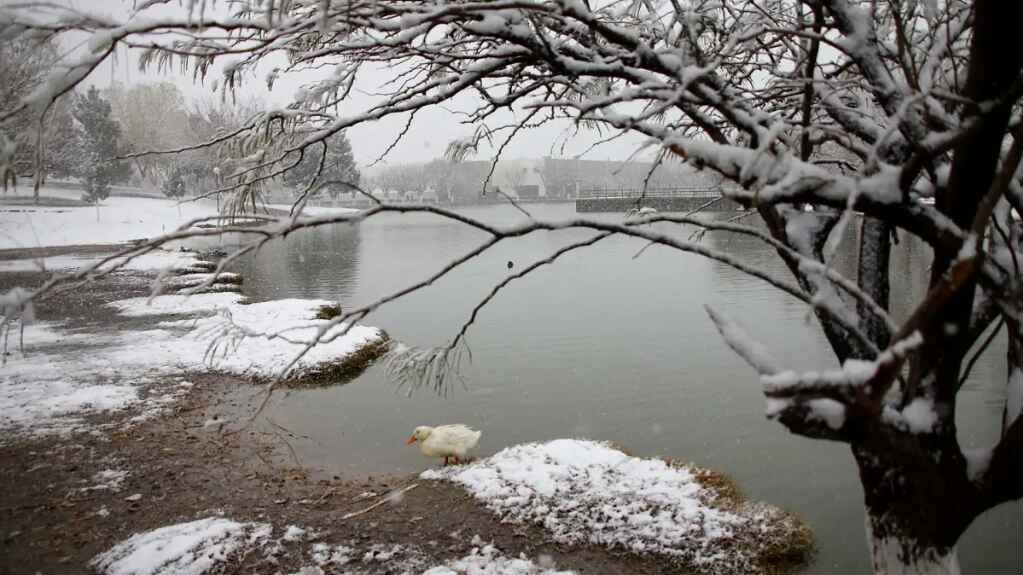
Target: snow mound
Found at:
258, 340
588, 492
187, 548
488, 561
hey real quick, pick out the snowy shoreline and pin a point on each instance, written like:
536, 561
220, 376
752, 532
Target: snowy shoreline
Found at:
579, 491
66, 373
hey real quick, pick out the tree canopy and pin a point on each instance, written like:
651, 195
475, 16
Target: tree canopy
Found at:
24, 67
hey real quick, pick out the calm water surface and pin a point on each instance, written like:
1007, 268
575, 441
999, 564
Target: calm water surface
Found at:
601, 345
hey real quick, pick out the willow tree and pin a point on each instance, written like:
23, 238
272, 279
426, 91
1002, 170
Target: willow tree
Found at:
899, 117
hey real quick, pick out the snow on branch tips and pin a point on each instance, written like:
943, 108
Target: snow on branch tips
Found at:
749, 349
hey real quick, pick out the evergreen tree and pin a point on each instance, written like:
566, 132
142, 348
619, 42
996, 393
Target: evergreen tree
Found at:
99, 137
339, 168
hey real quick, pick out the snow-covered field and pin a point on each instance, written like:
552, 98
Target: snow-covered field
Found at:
589, 492
213, 544
116, 220
61, 376
152, 261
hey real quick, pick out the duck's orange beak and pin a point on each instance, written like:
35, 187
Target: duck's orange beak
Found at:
411, 440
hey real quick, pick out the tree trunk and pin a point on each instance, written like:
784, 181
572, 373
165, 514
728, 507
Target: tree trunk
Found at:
893, 556
872, 275
918, 505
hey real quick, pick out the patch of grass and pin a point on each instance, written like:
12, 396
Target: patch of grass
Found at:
329, 311
786, 546
346, 369
726, 491
618, 446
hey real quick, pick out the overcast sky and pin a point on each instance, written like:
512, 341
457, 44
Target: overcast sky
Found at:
427, 140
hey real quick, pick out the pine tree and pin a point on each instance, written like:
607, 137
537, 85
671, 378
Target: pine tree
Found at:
339, 172
99, 137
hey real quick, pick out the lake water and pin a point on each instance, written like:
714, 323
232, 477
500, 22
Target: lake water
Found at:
602, 345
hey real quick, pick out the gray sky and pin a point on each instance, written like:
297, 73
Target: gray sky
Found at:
427, 140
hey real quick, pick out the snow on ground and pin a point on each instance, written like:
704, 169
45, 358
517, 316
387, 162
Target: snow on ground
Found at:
155, 260
588, 492
108, 480
257, 340
216, 544
116, 220
61, 377
489, 561
52, 389
177, 304
186, 548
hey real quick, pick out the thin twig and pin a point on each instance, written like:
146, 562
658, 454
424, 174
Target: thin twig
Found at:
386, 498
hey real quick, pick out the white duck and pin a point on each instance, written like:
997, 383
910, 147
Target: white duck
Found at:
447, 441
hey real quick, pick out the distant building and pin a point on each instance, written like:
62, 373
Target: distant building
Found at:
547, 178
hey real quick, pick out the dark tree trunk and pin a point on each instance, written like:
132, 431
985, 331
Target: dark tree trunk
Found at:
918, 493
918, 501
875, 255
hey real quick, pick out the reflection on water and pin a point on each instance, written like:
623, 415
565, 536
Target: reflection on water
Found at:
603, 345
324, 264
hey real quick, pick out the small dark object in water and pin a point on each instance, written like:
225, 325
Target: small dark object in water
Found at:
510, 264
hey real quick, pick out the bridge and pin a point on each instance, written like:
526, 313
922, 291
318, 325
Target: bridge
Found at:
677, 199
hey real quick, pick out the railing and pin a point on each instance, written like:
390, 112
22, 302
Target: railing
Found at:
681, 192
